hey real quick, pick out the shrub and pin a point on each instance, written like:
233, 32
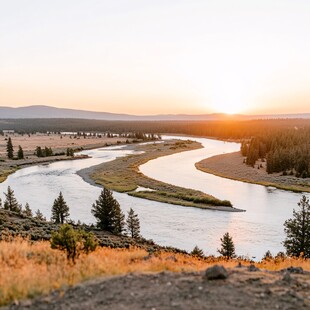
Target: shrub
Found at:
73, 242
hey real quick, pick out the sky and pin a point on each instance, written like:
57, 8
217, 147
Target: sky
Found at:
156, 56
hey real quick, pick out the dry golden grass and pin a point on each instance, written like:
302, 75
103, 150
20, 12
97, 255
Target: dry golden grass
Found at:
28, 269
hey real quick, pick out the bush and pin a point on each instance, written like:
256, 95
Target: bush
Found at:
73, 242
197, 252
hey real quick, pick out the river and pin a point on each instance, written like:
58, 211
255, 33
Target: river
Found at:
254, 232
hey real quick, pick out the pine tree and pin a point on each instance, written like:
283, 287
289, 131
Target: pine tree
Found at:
39, 216
27, 211
39, 152
10, 202
227, 247
244, 148
108, 213
20, 153
297, 230
60, 210
197, 252
9, 148
268, 256
133, 224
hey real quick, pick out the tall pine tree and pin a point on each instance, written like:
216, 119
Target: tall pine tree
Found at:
297, 230
60, 210
9, 148
10, 202
108, 213
20, 153
133, 224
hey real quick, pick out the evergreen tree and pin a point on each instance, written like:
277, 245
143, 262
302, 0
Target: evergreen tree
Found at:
70, 152
197, 252
10, 202
27, 211
60, 210
108, 213
244, 148
133, 224
297, 230
20, 153
39, 216
39, 152
268, 256
1, 204
227, 247
9, 148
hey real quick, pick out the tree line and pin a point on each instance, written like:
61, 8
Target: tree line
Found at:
286, 151
109, 217
223, 129
106, 211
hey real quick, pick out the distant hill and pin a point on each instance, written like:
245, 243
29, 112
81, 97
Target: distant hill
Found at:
41, 111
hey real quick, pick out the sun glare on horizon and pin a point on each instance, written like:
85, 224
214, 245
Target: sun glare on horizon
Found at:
229, 96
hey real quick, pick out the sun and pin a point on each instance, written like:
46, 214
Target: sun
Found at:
229, 93
229, 99
229, 107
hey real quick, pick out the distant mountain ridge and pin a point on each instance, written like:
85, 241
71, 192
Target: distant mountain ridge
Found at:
41, 111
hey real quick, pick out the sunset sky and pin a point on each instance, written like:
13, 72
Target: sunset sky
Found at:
156, 56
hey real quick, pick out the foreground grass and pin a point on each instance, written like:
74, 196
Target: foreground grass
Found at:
123, 175
29, 269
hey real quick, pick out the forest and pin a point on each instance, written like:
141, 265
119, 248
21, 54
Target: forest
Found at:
224, 129
286, 151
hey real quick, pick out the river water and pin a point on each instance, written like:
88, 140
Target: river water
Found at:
254, 232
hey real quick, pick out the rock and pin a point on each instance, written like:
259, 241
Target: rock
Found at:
27, 303
297, 270
287, 277
253, 268
216, 272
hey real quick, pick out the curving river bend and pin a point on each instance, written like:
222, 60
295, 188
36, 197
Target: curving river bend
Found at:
255, 231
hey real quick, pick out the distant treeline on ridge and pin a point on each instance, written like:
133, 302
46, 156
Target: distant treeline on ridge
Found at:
227, 129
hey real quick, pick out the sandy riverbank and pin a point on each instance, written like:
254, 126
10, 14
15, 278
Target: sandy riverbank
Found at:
231, 166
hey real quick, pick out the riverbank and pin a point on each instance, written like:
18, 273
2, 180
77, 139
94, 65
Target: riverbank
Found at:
231, 166
59, 144
123, 175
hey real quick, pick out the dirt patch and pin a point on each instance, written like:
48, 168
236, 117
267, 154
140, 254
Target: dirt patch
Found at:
231, 166
241, 290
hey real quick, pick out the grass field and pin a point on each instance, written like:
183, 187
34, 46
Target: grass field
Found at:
28, 269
